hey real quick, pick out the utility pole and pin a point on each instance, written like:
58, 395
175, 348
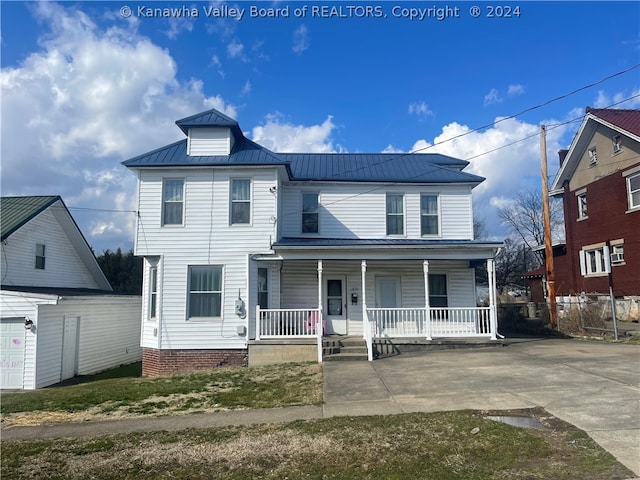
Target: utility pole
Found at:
548, 249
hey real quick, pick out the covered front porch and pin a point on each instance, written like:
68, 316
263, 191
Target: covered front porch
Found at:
374, 298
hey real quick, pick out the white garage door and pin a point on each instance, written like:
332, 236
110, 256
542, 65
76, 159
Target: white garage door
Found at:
12, 340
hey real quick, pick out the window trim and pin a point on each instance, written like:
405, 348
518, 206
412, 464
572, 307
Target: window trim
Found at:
42, 257
630, 192
220, 292
583, 211
316, 213
617, 145
152, 313
593, 155
601, 258
232, 201
437, 215
163, 221
387, 214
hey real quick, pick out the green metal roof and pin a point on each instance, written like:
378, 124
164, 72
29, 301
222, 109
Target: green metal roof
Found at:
16, 211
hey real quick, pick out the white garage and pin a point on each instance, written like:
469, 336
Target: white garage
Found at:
50, 337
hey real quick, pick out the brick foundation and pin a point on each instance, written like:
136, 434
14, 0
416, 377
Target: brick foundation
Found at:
156, 363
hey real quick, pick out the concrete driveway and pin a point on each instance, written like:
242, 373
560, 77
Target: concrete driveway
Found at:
594, 386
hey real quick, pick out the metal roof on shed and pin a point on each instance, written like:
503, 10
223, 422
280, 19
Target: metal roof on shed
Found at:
17, 211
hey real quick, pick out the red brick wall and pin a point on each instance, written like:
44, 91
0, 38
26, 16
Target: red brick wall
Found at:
157, 363
606, 205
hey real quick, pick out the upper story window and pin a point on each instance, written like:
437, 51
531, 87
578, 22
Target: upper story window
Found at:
617, 143
40, 256
310, 209
395, 214
153, 292
582, 205
633, 190
240, 201
205, 291
593, 156
429, 215
172, 201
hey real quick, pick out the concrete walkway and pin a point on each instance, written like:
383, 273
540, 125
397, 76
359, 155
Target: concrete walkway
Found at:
594, 386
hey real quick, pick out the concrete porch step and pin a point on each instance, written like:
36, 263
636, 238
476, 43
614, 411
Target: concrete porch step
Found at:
344, 349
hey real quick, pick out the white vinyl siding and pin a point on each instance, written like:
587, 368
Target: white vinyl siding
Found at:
359, 211
206, 239
209, 141
63, 265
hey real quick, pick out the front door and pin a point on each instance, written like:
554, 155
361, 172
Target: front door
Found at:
387, 292
335, 305
69, 347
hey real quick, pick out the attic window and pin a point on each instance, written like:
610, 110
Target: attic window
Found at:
593, 156
40, 256
617, 143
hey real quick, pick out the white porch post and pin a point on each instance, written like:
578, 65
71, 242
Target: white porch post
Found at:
320, 315
427, 306
365, 317
258, 322
493, 317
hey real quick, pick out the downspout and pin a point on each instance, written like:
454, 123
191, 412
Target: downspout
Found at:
365, 317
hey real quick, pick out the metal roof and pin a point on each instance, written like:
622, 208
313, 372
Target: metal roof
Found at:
378, 167
210, 118
333, 167
628, 120
16, 211
245, 152
302, 242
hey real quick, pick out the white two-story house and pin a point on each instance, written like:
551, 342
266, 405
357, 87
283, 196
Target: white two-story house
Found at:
247, 248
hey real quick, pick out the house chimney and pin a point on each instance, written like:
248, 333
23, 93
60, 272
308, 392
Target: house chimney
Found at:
562, 154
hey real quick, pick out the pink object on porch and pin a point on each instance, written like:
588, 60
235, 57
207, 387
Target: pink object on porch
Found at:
312, 321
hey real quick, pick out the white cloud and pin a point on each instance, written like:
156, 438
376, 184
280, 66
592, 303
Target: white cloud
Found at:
278, 135
300, 39
246, 89
629, 100
86, 100
235, 49
492, 97
177, 25
421, 109
514, 90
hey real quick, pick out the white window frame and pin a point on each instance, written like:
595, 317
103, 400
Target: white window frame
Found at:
153, 293
401, 214
437, 215
595, 261
41, 256
165, 202
617, 143
593, 156
630, 193
316, 213
219, 292
582, 205
233, 202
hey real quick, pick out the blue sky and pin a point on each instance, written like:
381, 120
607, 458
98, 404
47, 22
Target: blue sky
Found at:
84, 87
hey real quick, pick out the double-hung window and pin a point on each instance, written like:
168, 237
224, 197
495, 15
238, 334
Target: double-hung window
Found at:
593, 156
429, 216
240, 201
205, 291
310, 209
395, 214
40, 256
172, 201
633, 190
153, 292
582, 205
617, 143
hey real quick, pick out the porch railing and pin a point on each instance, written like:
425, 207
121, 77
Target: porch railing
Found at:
287, 323
443, 322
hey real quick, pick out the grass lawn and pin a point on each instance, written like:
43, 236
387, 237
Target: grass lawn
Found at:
123, 393
447, 446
